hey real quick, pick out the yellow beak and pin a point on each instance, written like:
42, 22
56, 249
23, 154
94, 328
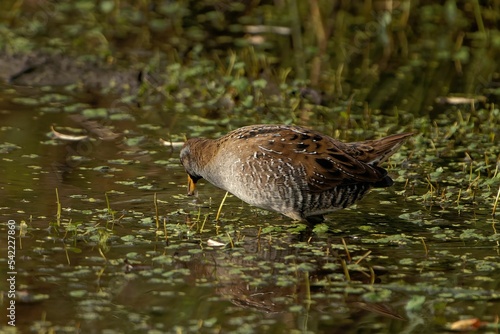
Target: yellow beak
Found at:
191, 186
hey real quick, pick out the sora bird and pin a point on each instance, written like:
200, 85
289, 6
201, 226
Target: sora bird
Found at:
295, 171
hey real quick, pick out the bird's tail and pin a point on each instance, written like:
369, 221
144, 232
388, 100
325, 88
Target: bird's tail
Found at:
374, 152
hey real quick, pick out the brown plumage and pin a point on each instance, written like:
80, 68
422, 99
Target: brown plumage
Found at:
295, 171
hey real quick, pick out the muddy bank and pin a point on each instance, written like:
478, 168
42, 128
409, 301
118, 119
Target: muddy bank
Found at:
42, 69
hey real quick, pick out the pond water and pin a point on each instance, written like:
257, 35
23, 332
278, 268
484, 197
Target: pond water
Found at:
107, 241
